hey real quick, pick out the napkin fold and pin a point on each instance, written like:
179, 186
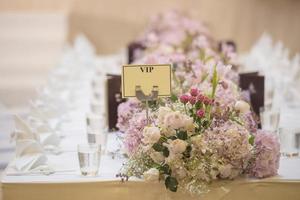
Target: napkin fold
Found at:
31, 163
50, 140
29, 155
22, 130
27, 147
45, 113
49, 137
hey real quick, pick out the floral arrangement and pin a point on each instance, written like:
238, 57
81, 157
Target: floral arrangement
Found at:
192, 143
206, 131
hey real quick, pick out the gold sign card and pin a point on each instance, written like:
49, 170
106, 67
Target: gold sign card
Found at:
146, 76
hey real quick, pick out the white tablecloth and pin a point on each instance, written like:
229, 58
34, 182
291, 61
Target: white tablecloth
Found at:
75, 133
73, 186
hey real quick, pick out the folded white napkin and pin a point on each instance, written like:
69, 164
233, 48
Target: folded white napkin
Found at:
40, 132
44, 125
54, 96
40, 126
29, 152
50, 141
29, 155
49, 137
23, 131
27, 147
46, 112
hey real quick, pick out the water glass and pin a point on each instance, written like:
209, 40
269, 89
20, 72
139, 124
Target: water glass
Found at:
89, 156
97, 137
269, 118
289, 142
94, 122
97, 107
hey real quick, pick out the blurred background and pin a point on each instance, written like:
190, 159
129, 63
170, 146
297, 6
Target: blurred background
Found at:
34, 32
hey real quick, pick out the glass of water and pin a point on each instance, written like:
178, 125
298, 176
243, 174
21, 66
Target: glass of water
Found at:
94, 122
97, 137
269, 118
289, 142
89, 156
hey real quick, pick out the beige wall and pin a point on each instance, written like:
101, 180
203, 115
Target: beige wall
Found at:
110, 24
35, 5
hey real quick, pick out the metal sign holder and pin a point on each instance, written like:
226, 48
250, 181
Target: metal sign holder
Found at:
140, 95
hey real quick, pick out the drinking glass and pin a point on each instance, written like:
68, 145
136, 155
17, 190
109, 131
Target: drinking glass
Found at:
89, 156
98, 137
94, 122
289, 142
97, 107
269, 118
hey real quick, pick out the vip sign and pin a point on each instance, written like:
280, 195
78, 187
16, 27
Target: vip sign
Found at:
146, 77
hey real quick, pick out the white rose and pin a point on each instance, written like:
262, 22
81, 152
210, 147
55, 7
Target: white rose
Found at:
242, 106
168, 132
177, 146
189, 124
196, 140
199, 143
151, 135
162, 111
151, 175
174, 120
157, 157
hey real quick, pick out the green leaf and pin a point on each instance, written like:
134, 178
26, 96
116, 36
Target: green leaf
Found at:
172, 137
162, 140
165, 169
198, 105
251, 140
187, 152
237, 120
165, 151
171, 183
173, 98
204, 76
181, 135
214, 81
158, 147
204, 122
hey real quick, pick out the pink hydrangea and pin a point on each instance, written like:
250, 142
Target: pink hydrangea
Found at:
125, 112
133, 135
230, 142
267, 155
